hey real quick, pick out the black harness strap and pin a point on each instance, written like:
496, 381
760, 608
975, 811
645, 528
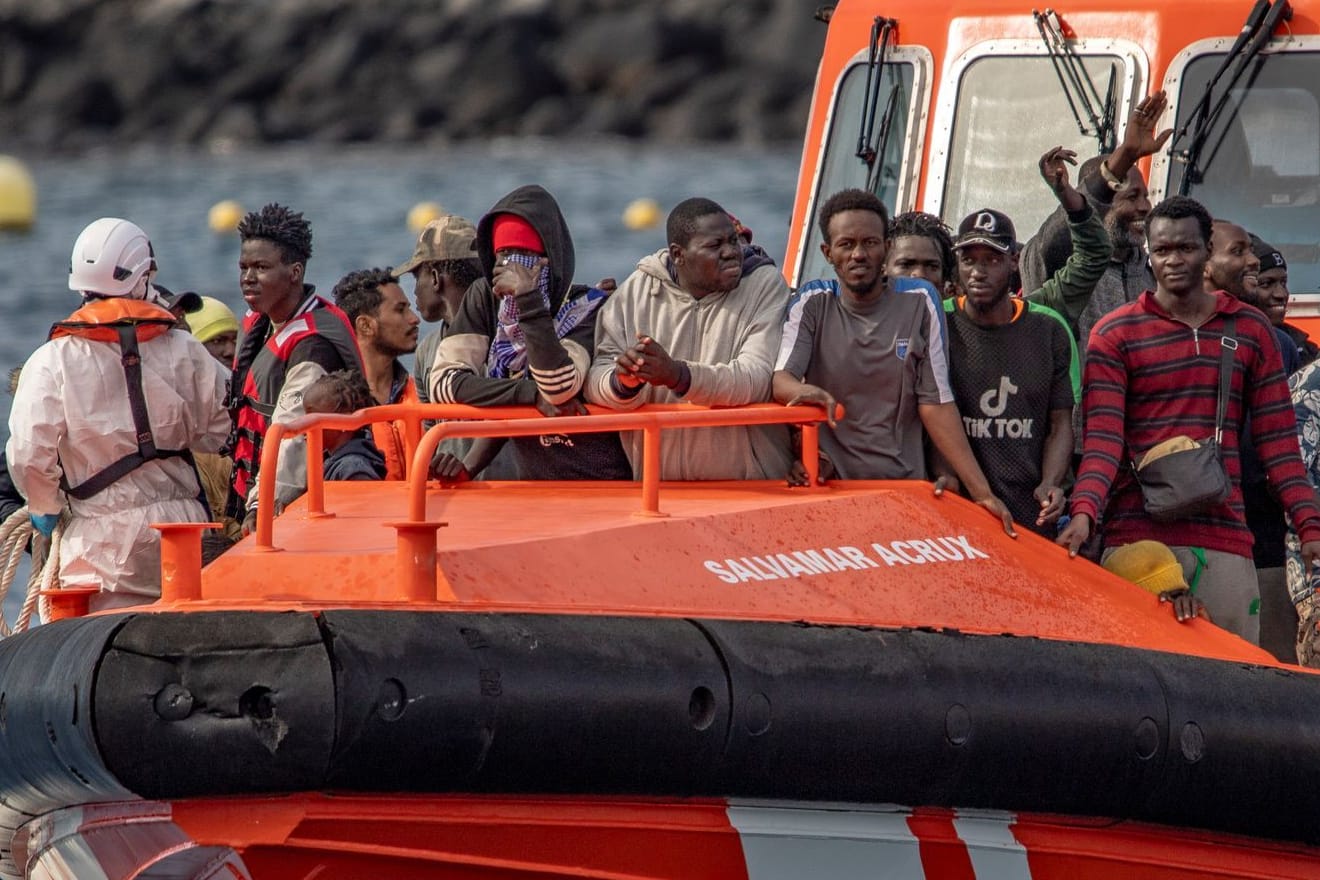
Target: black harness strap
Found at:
146, 442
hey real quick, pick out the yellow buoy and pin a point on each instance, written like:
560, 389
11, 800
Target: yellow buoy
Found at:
423, 213
641, 214
224, 216
18, 195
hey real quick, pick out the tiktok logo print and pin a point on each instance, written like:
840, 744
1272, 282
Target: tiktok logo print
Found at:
1006, 388
994, 403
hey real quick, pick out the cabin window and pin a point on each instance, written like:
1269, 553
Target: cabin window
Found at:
842, 169
1260, 164
1010, 110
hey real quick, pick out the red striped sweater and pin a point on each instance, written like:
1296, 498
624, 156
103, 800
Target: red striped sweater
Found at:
1149, 378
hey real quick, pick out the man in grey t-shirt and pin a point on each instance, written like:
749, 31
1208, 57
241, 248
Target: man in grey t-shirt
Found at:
879, 348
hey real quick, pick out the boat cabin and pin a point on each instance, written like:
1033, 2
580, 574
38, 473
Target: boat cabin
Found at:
944, 108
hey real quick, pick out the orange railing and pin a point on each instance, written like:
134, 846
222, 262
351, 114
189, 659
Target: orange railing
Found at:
415, 561
472, 422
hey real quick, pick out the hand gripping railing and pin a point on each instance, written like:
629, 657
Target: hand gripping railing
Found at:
416, 546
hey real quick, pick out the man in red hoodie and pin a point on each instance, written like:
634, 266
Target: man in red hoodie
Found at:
1152, 373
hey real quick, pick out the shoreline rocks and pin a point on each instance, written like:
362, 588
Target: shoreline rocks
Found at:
81, 73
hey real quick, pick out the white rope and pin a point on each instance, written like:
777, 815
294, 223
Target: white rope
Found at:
15, 534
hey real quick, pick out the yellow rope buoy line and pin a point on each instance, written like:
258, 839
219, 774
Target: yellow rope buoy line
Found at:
14, 536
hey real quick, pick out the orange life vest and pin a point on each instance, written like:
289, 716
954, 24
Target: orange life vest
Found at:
126, 323
389, 436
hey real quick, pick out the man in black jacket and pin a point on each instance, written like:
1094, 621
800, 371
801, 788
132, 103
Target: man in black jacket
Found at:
524, 335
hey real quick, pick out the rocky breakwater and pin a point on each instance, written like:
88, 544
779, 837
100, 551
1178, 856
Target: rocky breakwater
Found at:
77, 73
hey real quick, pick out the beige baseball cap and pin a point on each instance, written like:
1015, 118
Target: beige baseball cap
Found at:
450, 237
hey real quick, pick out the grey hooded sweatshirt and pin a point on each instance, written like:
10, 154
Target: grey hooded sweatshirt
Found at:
728, 341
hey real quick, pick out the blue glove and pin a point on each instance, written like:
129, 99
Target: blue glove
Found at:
45, 522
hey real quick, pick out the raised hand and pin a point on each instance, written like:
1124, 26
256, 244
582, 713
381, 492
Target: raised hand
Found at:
1139, 138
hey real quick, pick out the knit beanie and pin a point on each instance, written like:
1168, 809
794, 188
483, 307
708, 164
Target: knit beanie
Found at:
512, 231
1148, 564
212, 319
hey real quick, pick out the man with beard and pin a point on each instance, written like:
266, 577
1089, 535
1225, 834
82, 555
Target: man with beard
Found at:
1117, 191
1013, 364
1234, 268
1152, 376
689, 326
877, 346
386, 328
1272, 297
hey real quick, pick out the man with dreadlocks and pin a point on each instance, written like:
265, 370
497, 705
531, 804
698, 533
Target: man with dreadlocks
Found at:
920, 246
291, 337
524, 335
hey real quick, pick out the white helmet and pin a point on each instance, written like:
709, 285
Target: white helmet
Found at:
111, 258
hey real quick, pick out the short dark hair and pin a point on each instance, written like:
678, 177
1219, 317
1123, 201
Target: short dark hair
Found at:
682, 222
851, 200
282, 227
1180, 208
348, 390
463, 272
358, 293
919, 224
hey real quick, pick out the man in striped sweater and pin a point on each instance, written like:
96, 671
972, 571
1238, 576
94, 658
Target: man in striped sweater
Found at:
1152, 373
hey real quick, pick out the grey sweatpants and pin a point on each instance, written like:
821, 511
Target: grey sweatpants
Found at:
1227, 586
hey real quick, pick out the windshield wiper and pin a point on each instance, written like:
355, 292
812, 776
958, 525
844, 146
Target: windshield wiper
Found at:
882, 31
877, 163
1257, 31
1075, 80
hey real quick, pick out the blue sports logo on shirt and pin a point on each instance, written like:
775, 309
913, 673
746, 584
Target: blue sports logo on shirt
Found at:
901, 348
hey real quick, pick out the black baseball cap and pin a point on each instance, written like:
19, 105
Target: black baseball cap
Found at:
187, 302
1268, 254
988, 227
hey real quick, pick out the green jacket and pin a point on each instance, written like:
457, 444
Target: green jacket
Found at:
1069, 289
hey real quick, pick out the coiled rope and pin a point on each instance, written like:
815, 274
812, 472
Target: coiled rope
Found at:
15, 534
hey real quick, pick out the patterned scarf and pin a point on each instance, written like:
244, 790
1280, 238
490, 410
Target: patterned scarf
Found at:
508, 350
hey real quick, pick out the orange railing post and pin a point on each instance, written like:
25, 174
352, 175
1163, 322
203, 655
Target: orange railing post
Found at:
651, 470
316, 473
415, 573
270, 457
70, 602
181, 559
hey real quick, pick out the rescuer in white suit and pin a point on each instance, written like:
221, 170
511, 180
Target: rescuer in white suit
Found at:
103, 418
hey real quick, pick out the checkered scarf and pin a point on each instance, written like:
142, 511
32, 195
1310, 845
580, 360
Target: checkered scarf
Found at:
508, 350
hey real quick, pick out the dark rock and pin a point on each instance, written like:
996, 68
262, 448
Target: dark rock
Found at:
75, 72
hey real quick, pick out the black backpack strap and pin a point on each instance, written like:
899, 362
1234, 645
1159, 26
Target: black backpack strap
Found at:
1228, 345
131, 360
